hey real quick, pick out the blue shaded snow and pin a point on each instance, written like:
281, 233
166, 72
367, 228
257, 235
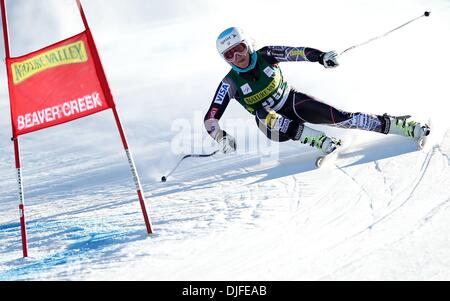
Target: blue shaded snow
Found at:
83, 244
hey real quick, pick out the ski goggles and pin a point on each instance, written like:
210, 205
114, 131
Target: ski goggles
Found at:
230, 55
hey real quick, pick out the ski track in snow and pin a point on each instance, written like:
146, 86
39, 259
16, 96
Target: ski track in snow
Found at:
69, 242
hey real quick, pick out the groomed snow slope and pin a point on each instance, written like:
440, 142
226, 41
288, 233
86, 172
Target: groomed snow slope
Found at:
381, 212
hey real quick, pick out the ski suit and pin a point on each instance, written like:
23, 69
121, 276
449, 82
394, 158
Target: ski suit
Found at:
263, 91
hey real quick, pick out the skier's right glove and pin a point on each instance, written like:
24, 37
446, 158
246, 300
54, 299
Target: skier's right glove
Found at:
227, 144
329, 59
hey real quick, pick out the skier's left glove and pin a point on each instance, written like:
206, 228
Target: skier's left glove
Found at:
227, 143
329, 59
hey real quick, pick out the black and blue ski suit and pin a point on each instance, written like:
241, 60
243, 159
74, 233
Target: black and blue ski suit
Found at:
263, 89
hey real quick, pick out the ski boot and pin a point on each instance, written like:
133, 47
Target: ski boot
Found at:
320, 141
329, 147
398, 125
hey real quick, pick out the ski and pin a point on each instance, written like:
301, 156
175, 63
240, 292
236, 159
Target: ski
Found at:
422, 142
326, 159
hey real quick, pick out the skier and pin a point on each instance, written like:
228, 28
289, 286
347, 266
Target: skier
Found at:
257, 83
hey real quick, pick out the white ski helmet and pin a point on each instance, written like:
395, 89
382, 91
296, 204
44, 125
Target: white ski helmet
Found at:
232, 37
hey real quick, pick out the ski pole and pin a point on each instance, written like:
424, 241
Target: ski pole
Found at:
425, 14
164, 178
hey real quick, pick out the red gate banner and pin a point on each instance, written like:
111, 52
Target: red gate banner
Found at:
56, 84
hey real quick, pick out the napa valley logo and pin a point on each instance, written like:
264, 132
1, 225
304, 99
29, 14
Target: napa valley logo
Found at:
63, 55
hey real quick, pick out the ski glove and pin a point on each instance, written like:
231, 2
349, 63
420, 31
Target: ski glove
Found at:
329, 59
227, 143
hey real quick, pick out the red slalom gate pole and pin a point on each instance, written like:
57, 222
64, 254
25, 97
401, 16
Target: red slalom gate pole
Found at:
105, 86
23, 228
134, 172
23, 225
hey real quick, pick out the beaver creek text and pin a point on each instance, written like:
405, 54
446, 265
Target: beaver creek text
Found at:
66, 110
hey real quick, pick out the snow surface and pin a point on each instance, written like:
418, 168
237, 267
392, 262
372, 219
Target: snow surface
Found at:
381, 213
